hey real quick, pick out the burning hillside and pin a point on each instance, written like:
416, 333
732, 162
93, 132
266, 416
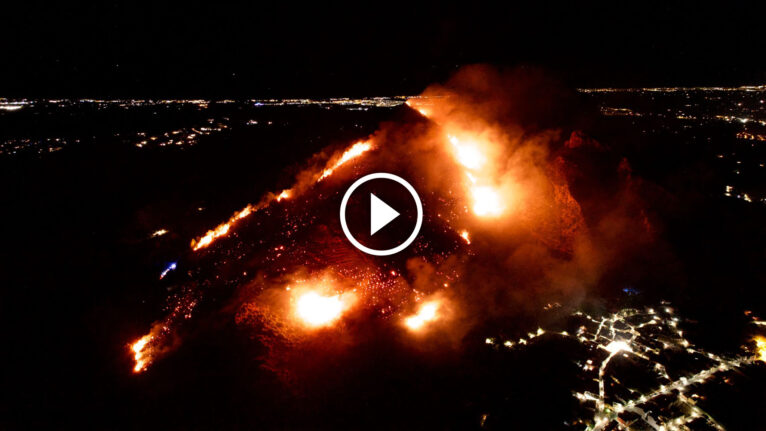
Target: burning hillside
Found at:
511, 223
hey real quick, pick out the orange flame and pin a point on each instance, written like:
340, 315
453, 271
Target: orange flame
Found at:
465, 236
141, 353
221, 230
355, 151
486, 201
473, 150
428, 312
760, 348
284, 195
316, 310
467, 155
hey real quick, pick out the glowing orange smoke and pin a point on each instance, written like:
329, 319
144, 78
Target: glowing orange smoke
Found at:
760, 348
316, 310
428, 312
355, 151
141, 353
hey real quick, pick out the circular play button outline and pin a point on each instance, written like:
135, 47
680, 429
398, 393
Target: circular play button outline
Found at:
385, 176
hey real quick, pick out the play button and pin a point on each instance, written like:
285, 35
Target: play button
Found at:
381, 214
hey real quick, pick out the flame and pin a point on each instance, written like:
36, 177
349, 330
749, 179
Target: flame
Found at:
760, 347
475, 148
466, 238
424, 112
355, 151
427, 313
141, 353
284, 195
316, 310
467, 155
486, 201
221, 230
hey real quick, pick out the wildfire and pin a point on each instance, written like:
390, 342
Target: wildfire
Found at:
427, 313
210, 236
486, 199
355, 151
222, 229
760, 347
316, 310
141, 353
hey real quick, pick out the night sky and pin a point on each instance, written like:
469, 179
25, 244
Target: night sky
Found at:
120, 49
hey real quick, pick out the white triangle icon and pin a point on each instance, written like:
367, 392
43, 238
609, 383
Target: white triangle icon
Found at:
380, 214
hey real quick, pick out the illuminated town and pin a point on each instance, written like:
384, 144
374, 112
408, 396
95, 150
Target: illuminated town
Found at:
649, 342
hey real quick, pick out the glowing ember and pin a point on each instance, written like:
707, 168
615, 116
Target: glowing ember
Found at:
159, 233
317, 310
426, 314
486, 201
141, 354
760, 345
356, 150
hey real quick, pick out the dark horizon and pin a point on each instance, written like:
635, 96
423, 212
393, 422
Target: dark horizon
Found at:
123, 50
345, 96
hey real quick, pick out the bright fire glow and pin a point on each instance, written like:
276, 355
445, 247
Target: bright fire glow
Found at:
317, 310
140, 353
486, 201
760, 345
284, 195
467, 155
424, 112
466, 238
427, 313
356, 150
223, 229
